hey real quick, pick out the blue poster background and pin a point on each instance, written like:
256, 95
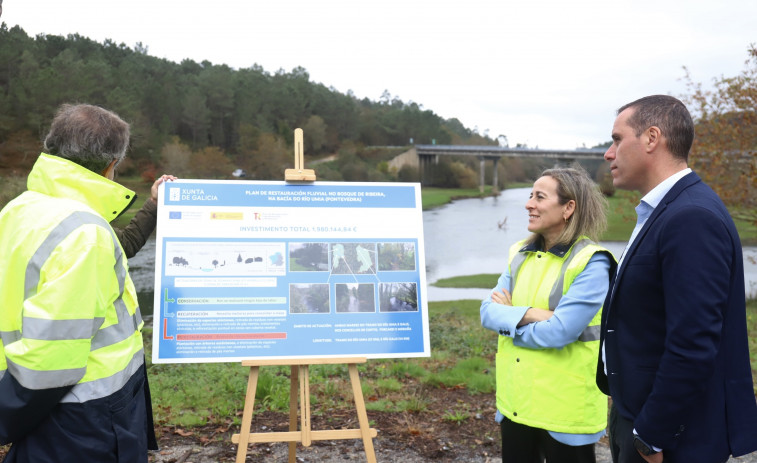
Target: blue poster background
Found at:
255, 270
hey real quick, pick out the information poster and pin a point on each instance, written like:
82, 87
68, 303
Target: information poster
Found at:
249, 270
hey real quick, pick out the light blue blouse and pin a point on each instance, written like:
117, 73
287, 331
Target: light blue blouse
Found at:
576, 309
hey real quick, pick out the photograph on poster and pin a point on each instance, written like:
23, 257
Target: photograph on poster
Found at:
396, 256
308, 257
398, 297
309, 298
355, 297
353, 258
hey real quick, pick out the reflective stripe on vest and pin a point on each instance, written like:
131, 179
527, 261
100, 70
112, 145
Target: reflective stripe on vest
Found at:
55, 330
103, 387
590, 333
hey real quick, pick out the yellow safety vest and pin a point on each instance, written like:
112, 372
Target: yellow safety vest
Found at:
68, 308
552, 389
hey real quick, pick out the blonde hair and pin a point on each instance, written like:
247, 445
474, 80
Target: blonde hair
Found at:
589, 216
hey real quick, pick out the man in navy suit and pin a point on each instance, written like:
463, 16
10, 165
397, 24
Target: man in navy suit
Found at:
675, 355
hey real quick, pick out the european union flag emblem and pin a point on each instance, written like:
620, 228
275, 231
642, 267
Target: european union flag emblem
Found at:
174, 214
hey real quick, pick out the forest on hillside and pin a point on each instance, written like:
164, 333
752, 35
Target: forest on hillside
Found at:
203, 119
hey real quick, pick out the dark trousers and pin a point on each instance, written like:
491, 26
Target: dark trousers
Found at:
621, 439
524, 444
111, 429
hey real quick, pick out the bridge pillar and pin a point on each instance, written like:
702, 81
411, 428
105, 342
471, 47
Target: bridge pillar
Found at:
495, 180
565, 162
426, 168
482, 164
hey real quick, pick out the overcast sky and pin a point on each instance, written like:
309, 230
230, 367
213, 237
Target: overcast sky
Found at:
548, 73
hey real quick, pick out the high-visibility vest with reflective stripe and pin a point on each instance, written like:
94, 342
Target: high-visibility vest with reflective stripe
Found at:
68, 308
552, 389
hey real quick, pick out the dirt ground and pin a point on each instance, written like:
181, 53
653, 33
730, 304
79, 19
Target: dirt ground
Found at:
402, 437
407, 437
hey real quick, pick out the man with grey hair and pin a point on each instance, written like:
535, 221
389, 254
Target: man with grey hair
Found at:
93, 150
72, 374
89, 136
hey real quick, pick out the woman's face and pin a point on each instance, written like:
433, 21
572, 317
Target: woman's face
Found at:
546, 216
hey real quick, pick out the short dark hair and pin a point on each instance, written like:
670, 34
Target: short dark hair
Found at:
88, 135
668, 114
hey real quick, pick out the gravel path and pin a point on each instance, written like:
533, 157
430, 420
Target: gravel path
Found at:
333, 452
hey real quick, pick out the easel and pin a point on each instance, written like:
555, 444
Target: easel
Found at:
300, 379
299, 173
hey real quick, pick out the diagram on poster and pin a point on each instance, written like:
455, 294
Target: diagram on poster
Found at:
232, 258
249, 270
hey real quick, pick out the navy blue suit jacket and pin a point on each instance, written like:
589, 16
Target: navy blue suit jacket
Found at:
674, 331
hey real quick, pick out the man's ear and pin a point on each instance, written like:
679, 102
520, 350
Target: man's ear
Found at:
110, 171
654, 138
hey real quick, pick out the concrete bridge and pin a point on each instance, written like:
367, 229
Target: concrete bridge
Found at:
423, 157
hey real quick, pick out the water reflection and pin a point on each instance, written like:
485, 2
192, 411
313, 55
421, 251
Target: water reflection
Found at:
465, 238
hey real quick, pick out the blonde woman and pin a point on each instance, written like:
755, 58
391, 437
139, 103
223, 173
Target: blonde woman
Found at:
546, 309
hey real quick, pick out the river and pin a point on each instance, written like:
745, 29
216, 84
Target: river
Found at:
464, 237
473, 236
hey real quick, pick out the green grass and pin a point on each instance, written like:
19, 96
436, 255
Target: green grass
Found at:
435, 197
463, 357
456, 333
475, 374
482, 280
142, 189
621, 218
751, 322
747, 232
181, 392
458, 416
520, 185
12, 186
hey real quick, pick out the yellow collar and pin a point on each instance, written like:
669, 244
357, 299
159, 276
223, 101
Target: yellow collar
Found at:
59, 177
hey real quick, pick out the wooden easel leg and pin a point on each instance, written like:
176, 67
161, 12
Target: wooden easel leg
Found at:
300, 388
305, 404
362, 415
293, 396
249, 402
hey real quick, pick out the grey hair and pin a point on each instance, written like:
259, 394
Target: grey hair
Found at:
589, 217
88, 135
